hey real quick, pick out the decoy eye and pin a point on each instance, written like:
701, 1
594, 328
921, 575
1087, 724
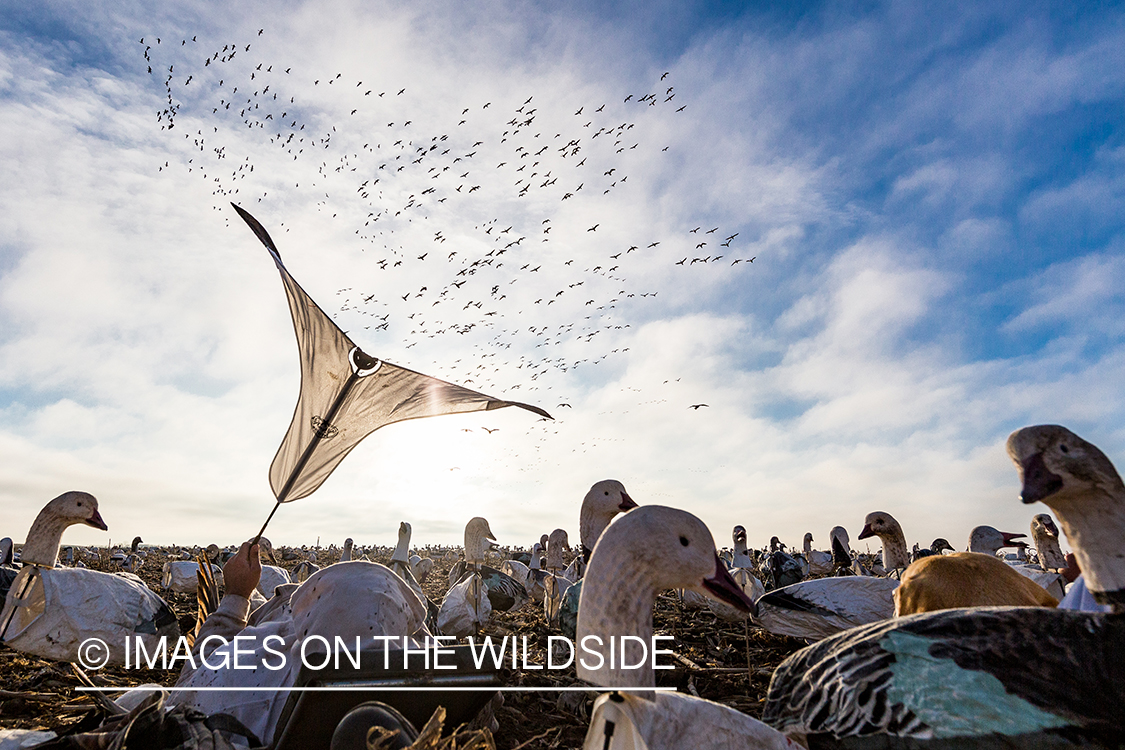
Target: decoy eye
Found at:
1064, 449
684, 541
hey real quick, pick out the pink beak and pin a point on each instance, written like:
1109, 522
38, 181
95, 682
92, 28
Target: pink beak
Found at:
726, 589
626, 502
1009, 539
866, 532
96, 521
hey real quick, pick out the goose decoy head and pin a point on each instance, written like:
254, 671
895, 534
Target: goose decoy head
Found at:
1045, 524
739, 535
878, 524
1056, 464
940, 545
78, 507
75, 507
988, 540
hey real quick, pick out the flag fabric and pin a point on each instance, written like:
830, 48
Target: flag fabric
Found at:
347, 394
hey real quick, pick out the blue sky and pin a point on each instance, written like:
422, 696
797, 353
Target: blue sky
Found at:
932, 196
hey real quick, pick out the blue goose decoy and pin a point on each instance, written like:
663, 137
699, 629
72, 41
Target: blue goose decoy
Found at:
780, 569
989, 677
8, 569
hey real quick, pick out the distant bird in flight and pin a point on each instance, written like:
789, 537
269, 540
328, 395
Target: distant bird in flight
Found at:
696, 406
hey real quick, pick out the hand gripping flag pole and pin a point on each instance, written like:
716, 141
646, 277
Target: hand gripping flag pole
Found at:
346, 395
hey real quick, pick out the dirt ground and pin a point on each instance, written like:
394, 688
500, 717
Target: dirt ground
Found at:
725, 662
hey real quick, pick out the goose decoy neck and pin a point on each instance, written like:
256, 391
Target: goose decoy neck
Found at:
402, 550
45, 534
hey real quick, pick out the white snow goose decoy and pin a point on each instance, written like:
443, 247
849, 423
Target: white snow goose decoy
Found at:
1045, 536
651, 549
555, 584
820, 563
421, 567
50, 611
603, 501
478, 589
993, 677
742, 571
883, 525
504, 592
182, 576
400, 564
272, 575
988, 540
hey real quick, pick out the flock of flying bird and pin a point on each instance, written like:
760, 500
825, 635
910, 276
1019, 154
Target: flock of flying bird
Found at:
516, 179
970, 652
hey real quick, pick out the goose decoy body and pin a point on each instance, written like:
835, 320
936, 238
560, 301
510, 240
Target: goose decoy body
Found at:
820, 563
182, 576
825, 606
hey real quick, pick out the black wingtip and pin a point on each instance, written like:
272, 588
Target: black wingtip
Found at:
259, 230
529, 407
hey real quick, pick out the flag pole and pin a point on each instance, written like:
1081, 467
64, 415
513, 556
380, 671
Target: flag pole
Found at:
317, 435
